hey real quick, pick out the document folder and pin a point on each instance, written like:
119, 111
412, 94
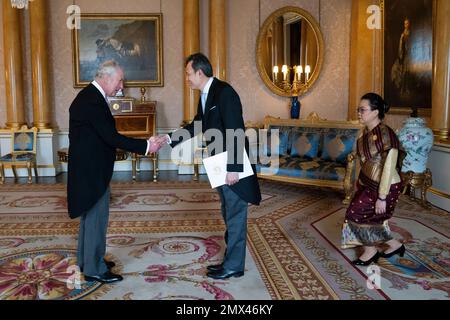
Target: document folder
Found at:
216, 168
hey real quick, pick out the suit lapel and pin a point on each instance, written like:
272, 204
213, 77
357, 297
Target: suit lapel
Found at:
210, 98
100, 97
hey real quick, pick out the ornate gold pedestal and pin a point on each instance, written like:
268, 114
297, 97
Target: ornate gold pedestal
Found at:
413, 181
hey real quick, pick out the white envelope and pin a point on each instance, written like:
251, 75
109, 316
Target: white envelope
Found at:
216, 168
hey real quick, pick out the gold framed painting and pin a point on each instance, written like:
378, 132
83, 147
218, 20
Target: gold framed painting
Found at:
133, 40
407, 55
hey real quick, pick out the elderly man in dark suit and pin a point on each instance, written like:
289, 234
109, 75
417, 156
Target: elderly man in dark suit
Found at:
93, 141
220, 110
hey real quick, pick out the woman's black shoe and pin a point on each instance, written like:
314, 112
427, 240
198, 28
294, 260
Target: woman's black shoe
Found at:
359, 262
400, 251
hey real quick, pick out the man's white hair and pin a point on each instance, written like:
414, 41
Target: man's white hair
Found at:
107, 68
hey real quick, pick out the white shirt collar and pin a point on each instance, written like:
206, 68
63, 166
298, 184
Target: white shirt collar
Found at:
99, 88
207, 86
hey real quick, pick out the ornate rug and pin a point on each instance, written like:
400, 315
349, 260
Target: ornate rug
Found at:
163, 235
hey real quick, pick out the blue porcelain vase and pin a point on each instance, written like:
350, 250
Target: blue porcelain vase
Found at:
417, 140
295, 108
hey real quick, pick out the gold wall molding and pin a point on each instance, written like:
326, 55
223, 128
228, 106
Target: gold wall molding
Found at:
12, 55
217, 38
39, 63
440, 111
191, 44
365, 57
439, 193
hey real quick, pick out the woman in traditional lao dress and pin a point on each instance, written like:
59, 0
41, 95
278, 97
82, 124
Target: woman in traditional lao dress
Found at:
378, 185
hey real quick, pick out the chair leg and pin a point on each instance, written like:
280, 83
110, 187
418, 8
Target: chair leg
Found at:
35, 170
133, 166
348, 191
348, 196
196, 172
155, 168
30, 179
14, 172
2, 173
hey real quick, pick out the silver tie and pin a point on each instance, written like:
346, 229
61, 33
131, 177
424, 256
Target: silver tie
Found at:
204, 95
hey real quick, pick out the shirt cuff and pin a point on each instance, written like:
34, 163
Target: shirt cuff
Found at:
148, 148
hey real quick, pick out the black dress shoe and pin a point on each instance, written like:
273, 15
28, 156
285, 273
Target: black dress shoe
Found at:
215, 267
225, 274
400, 251
107, 277
374, 258
109, 265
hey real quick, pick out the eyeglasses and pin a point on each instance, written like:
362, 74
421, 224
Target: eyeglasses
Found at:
362, 110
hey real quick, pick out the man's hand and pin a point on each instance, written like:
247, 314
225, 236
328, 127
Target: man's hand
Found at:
232, 178
163, 139
155, 144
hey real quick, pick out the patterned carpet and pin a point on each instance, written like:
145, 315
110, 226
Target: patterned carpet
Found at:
163, 235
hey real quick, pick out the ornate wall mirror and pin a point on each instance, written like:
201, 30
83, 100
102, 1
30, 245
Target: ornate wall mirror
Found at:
289, 51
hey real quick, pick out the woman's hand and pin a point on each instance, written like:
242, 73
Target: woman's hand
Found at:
380, 206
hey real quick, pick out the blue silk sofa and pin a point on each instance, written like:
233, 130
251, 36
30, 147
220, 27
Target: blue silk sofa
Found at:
312, 151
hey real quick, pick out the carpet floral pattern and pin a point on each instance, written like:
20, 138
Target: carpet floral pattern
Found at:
163, 235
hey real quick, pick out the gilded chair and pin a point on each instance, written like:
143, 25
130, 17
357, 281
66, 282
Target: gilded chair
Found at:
23, 152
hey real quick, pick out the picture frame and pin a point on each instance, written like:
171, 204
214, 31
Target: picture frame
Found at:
407, 67
133, 40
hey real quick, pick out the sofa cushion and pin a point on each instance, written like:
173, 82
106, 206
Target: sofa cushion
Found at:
305, 144
302, 167
336, 146
277, 143
19, 157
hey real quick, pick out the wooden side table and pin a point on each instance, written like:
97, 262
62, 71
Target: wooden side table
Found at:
136, 120
413, 180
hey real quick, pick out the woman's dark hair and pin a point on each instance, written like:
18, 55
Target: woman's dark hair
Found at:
376, 102
200, 62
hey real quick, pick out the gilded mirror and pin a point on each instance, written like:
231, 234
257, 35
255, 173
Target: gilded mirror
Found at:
289, 51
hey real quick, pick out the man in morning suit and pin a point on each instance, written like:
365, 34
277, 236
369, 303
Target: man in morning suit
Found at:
93, 141
220, 108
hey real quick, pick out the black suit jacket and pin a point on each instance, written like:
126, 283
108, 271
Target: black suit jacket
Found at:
223, 110
93, 141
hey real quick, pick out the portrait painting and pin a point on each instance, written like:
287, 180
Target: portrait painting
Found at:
133, 40
408, 51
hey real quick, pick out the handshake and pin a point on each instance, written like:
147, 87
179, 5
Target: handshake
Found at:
157, 142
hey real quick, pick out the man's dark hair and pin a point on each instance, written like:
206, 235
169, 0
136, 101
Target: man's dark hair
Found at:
200, 62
